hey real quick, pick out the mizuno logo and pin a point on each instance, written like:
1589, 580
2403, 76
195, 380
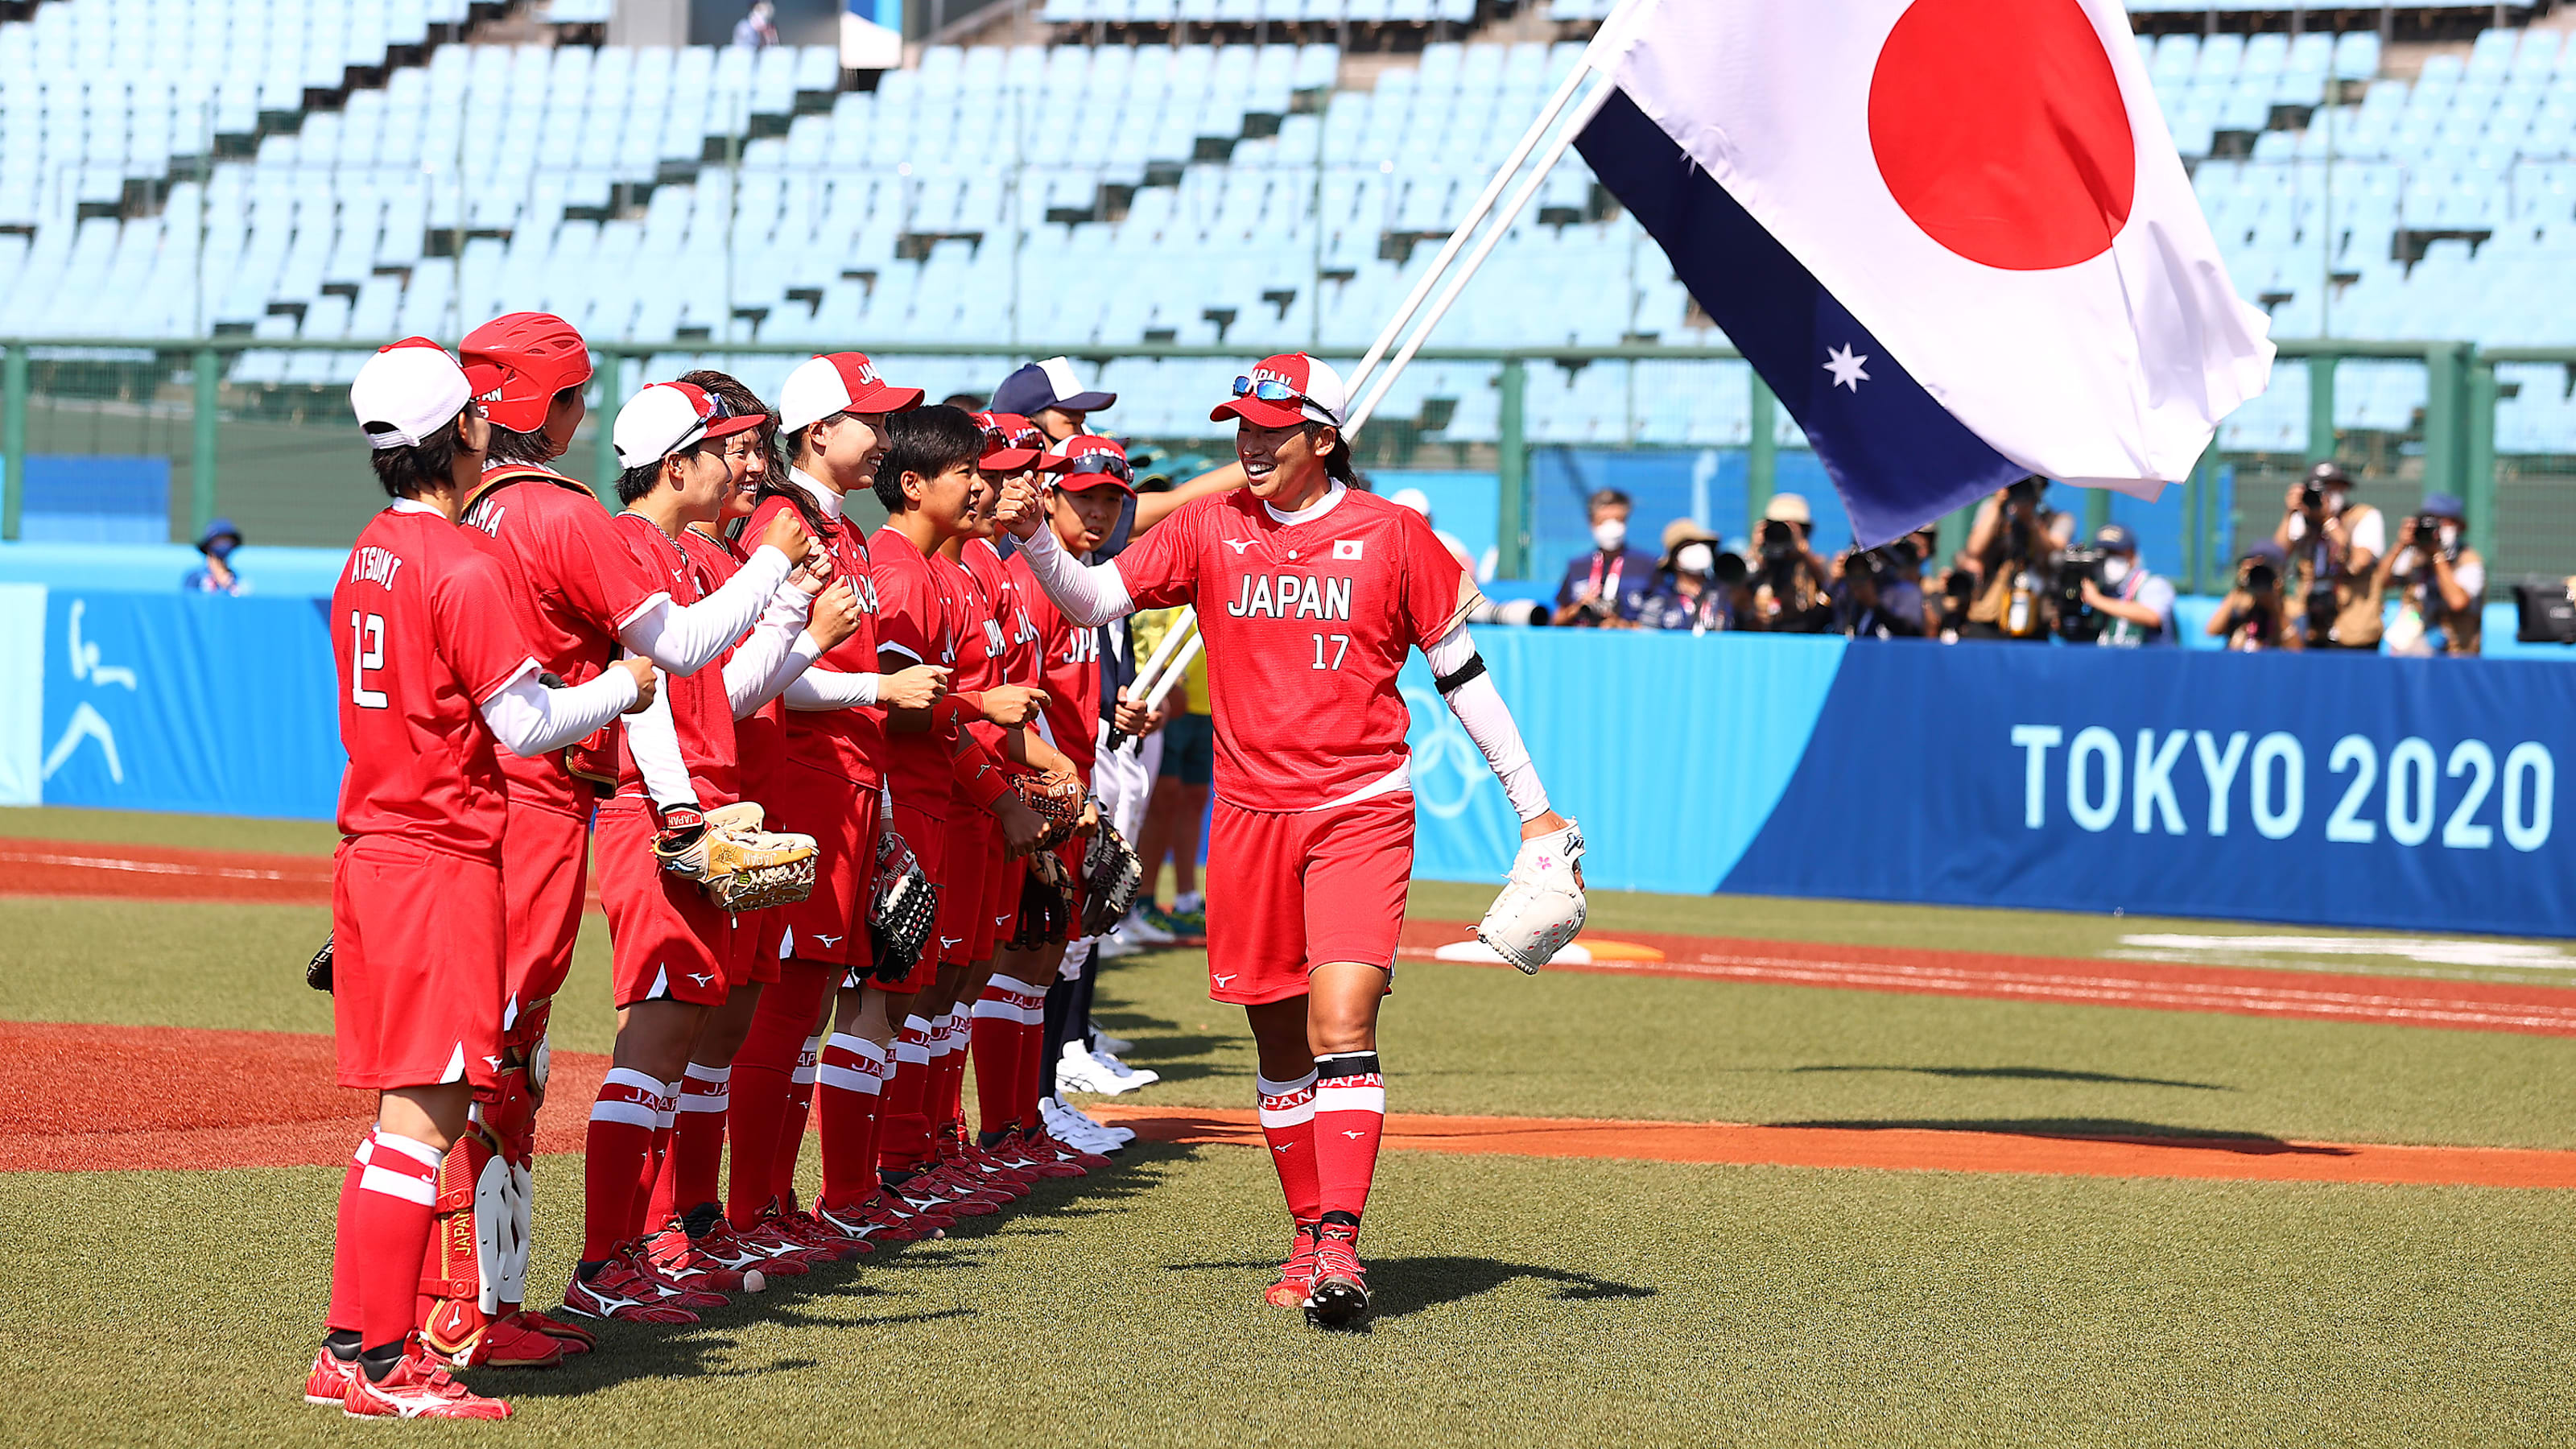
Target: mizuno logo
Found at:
1238, 544
1001, 920
493, 1062
1355, 1136
1282, 1147
1224, 980
830, 941
701, 977
947, 941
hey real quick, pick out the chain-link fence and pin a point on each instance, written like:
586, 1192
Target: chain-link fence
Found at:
146, 443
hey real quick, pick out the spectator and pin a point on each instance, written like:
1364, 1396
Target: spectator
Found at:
216, 575
2441, 583
2254, 616
1610, 586
2333, 545
1698, 587
2136, 605
1420, 502
757, 30
2009, 546
1791, 583
1049, 395
1872, 600
971, 402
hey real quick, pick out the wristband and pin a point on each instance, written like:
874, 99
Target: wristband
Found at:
961, 708
978, 772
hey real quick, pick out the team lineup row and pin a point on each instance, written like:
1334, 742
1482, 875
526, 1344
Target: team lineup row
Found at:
840, 789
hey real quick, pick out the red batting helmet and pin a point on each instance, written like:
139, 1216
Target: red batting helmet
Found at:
538, 354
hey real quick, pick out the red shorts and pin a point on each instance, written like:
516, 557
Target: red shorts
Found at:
961, 896
1001, 914
416, 968
666, 940
1287, 893
927, 834
542, 888
753, 948
831, 925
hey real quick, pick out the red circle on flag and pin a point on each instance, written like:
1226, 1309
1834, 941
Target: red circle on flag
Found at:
2001, 130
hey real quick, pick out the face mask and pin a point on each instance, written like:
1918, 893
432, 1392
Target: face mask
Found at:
2450, 535
2334, 501
1695, 558
2115, 570
1611, 534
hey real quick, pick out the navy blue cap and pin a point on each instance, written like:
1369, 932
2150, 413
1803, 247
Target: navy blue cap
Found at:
2444, 505
215, 529
2269, 552
2117, 538
1048, 384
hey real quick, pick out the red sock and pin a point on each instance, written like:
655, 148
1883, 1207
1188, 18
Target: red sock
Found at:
688, 1176
1033, 1063
1288, 1125
995, 1029
850, 1081
1350, 1112
905, 1134
800, 1113
621, 1138
762, 1069
950, 1077
640, 1219
389, 1222
343, 1313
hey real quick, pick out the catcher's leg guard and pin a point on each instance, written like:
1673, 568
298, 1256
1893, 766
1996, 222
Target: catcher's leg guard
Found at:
461, 1320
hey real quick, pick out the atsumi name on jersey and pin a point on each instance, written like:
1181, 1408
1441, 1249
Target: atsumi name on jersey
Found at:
1292, 596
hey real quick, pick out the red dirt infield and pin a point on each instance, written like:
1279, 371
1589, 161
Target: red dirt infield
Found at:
109, 1098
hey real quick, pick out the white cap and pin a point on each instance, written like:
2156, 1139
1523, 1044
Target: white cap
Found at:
841, 382
1317, 386
406, 393
664, 418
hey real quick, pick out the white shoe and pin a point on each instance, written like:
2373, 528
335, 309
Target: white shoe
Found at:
1138, 931
1114, 945
1075, 1130
1133, 1077
1081, 1119
1104, 1043
1080, 1071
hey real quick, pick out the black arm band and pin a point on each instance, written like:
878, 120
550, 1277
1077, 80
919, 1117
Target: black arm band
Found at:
1449, 683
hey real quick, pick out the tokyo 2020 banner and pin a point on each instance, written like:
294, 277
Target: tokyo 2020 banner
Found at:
2346, 790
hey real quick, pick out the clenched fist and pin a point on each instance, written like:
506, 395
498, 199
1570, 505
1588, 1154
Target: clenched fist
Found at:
645, 681
919, 687
786, 533
1018, 510
835, 616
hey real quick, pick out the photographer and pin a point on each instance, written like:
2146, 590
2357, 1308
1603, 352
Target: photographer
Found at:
2254, 616
2009, 547
1874, 598
2136, 606
2441, 582
2334, 545
1790, 580
1610, 586
1700, 587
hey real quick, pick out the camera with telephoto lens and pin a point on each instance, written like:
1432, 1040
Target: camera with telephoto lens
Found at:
2077, 621
2312, 497
1730, 571
2428, 535
2259, 578
1779, 543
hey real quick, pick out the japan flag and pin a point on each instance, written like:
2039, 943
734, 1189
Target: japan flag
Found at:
1952, 235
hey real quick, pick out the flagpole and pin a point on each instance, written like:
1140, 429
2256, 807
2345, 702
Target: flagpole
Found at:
1466, 271
1466, 225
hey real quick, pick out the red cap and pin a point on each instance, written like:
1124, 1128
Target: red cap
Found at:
535, 355
1087, 461
1315, 394
840, 382
1011, 443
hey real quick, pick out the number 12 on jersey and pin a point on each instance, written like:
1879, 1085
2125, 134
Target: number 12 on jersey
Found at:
367, 651
1341, 646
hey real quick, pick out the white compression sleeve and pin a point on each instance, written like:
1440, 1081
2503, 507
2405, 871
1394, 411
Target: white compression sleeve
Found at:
654, 740
530, 719
1488, 721
820, 689
1089, 594
687, 639
758, 670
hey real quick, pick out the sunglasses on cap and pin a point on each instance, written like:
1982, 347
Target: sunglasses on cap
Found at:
997, 439
1108, 463
1269, 389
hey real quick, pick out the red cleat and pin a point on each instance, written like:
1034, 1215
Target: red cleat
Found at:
573, 1337
905, 1223
1014, 1149
675, 1257
677, 1292
508, 1341
417, 1389
775, 1258
328, 1383
622, 1291
1297, 1275
1339, 1296
933, 1184
819, 1236
1046, 1143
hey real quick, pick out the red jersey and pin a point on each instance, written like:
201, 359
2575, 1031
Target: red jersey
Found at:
1002, 590
423, 639
1307, 619
573, 585
850, 743
1068, 670
919, 605
759, 738
700, 712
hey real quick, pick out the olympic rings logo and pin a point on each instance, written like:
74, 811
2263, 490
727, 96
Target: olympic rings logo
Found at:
1447, 767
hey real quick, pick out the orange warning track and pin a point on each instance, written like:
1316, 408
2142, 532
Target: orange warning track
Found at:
75, 868
109, 1098
2156, 985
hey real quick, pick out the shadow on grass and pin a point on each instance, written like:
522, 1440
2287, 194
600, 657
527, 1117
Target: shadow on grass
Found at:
643, 1351
2026, 1074
1403, 1286
2094, 1129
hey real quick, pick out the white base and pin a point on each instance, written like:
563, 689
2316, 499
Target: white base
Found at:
1573, 953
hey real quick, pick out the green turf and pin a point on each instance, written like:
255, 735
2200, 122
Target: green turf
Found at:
1471, 1039
1542, 1303
190, 832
